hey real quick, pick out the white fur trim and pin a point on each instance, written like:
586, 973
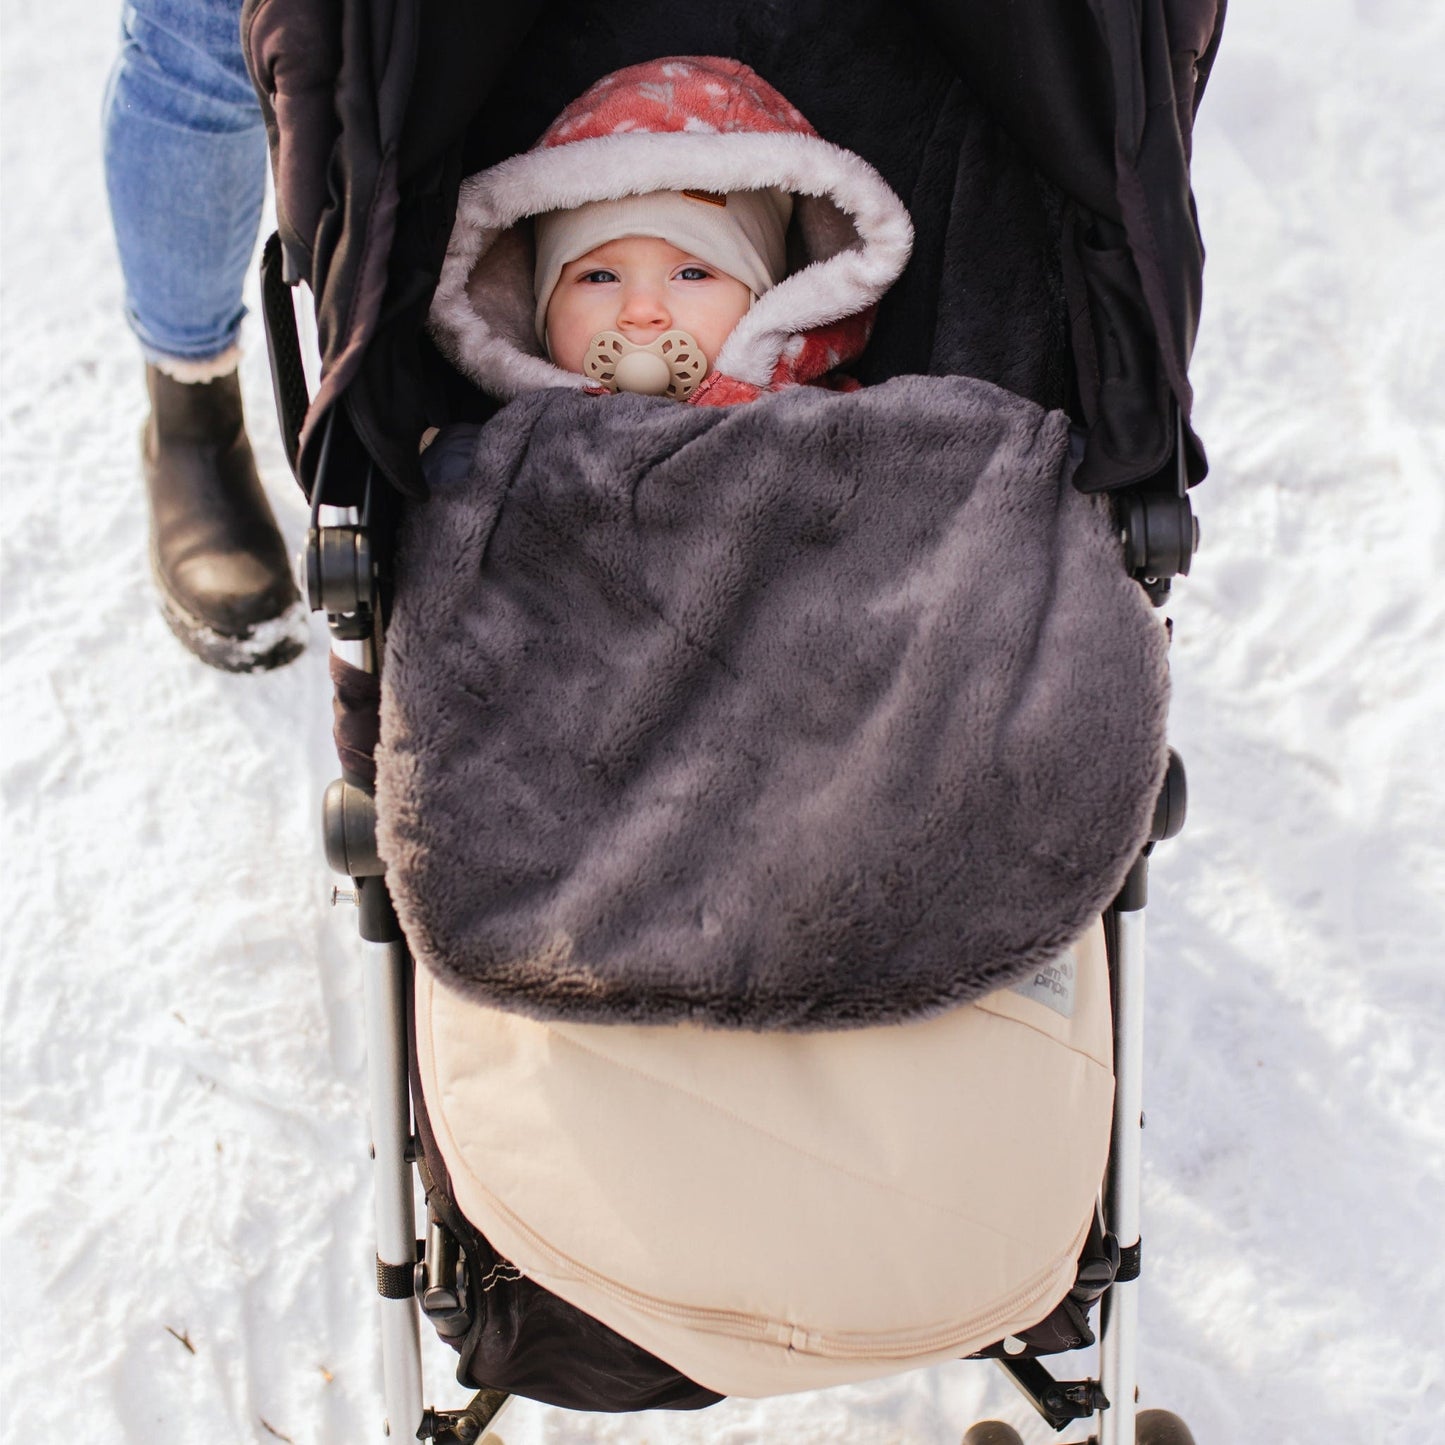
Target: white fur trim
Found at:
836, 284
193, 372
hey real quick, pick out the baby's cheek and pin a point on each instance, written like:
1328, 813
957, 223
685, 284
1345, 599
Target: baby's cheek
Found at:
563, 346
724, 324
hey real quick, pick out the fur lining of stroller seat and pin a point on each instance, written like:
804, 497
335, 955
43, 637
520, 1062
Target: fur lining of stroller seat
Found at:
773, 1213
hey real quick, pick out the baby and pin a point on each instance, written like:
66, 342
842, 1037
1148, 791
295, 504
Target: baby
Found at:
640, 294
679, 230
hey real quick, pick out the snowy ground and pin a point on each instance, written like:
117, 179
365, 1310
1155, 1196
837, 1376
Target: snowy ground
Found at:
185, 1190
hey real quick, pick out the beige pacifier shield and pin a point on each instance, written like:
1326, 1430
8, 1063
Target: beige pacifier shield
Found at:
669, 365
644, 372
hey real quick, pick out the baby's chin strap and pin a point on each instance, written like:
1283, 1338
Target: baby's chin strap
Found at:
669, 365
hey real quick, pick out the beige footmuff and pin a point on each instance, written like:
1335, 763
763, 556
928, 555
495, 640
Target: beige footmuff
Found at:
778, 1212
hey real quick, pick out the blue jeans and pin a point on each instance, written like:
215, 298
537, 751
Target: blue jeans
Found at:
185, 168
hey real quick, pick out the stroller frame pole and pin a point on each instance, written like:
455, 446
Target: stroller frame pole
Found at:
1119, 1335
387, 978
342, 582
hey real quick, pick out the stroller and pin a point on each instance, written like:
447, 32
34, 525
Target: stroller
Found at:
1067, 129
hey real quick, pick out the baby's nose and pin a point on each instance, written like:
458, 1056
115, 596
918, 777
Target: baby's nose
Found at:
643, 309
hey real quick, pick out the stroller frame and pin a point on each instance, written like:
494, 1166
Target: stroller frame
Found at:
416, 1276
372, 111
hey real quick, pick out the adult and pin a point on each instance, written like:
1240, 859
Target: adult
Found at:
185, 166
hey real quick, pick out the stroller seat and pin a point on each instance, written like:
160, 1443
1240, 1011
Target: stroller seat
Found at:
780, 1212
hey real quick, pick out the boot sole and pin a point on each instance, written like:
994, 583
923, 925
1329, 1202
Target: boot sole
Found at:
270, 644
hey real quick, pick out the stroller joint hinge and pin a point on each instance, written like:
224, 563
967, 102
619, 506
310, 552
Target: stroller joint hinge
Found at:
341, 579
462, 1427
1098, 1268
348, 832
1172, 803
1157, 526
442, 1281
1170, 808
1060, 1402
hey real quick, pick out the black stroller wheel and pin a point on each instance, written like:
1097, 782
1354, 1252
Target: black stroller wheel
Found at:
992, 1432
1161, 1427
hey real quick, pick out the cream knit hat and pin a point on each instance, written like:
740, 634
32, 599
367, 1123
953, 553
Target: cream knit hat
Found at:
741, 233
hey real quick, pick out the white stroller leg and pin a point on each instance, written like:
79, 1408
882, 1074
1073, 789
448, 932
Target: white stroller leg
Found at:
1119, 1339
387, 975
387, 988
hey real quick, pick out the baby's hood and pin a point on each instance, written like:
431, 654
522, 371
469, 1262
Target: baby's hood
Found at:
685, 123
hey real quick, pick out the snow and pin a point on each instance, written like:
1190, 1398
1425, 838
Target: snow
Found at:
186, 1195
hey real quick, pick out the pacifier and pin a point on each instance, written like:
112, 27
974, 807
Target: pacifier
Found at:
669, 365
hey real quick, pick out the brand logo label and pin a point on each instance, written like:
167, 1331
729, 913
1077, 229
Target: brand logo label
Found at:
1052, 985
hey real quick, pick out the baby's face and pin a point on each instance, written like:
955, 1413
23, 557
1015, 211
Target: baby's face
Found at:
641, 286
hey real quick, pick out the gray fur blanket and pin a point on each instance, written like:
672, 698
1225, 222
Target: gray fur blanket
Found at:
818, 712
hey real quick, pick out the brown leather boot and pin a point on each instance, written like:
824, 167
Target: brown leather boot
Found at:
219, 562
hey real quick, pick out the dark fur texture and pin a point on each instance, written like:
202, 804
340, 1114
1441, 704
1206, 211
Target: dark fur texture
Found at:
824, 711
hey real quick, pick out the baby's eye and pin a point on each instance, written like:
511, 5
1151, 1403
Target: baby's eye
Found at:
694, 273
598, 277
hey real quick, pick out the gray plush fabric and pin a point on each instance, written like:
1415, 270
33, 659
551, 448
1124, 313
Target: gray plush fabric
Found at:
823, 711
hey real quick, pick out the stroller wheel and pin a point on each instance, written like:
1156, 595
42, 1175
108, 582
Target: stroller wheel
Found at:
992, 1432
1161, 1427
